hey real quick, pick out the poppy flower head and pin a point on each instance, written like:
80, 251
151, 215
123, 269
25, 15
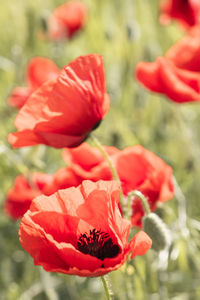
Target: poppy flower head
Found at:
39, 70
185, 53
140, 169
80, 231
177, 74
66, 20
63, 111
164, 77
187, 12
19, 198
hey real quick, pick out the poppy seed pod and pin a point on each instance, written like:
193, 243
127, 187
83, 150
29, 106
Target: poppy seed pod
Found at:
157, 230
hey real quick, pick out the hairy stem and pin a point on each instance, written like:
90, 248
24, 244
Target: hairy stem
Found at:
108, 292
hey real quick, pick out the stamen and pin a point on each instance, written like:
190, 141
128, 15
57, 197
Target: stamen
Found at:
97, 243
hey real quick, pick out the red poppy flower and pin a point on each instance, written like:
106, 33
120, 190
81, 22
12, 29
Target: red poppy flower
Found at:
140, 169
162, 76
185, 53
187, 12
82, 162
66, 20
39, 70
19, 198
80, 231
62, 112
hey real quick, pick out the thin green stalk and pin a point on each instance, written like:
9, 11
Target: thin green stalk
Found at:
105, 154
137, 273
15, 159
128, 206
112, 168
182, 210
106, 288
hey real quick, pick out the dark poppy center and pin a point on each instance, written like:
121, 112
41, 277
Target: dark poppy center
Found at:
98, 244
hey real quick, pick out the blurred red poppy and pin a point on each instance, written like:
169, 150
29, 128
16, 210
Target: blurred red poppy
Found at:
81, 165
185, 54
162, 76
39, 70
177, 75
140, 169
19, 198
80, 231
187, 12
19, 96
62, 112
66, 20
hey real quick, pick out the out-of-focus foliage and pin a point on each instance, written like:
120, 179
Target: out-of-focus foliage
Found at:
124, 32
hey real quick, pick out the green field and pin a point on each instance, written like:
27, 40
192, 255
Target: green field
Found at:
124, 32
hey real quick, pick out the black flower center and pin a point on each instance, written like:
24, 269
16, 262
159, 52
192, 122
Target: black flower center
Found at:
98, 244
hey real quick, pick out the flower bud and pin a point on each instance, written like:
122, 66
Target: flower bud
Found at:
157, 230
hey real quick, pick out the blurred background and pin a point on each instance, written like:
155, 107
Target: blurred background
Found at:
124, 32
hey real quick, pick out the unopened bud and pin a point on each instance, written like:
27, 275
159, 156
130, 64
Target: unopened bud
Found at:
157, 230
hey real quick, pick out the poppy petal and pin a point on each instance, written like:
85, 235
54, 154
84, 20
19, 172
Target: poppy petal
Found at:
40, 70
140, 244
71, 106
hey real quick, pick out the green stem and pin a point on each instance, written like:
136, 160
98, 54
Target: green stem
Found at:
128, 206
47, 283
15, 159
106, 288
182, 210
105, 154
112, 168
142, 198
